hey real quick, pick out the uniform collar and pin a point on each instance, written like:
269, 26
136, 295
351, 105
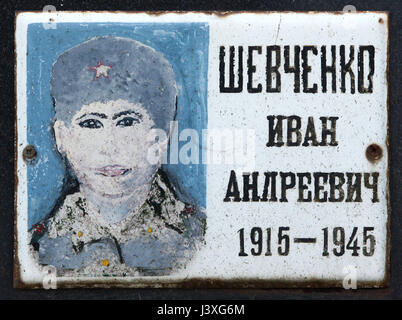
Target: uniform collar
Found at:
162, 209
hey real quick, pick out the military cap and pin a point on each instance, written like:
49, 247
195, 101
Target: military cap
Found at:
110, 68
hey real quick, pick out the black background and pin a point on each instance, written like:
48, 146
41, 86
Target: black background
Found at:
7, 118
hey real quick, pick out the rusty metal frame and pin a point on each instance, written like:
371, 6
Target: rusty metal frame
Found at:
216, 283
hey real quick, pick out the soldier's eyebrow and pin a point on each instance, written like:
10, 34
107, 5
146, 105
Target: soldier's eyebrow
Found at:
123, 113
100, 115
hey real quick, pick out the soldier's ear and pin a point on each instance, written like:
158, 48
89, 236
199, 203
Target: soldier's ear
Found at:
60, 131
163, 145
157, 146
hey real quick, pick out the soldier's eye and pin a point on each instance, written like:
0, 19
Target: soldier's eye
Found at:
127, 122
91, 124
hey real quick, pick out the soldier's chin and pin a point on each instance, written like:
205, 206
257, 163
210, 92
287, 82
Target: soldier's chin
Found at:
118, 186
107, 187
112, 193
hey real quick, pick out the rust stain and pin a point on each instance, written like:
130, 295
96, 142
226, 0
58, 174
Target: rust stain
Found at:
17, 283
212, 283
387, 277
221, 14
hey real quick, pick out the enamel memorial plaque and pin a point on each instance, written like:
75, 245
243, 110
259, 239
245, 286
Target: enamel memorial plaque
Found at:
201, 150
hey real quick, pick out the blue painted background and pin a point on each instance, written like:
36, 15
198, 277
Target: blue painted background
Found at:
184, 45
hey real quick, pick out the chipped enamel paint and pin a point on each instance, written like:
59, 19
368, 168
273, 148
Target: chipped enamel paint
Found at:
306, 205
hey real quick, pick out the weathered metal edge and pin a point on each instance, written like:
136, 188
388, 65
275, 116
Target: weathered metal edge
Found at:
197, 282
212, 283
387, 276
17, 281
209, 12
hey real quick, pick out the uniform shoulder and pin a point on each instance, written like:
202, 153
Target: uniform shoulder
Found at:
60, 219
177, 214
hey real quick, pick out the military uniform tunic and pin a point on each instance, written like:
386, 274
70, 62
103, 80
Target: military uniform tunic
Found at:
158, 239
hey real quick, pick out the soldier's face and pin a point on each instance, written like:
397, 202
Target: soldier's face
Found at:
106, 145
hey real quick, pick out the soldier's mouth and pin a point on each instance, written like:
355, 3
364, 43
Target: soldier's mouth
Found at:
112, 171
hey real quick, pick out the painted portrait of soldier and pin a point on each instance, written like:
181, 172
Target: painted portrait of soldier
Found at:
120, 215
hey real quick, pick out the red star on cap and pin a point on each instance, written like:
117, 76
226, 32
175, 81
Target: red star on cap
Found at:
101, 70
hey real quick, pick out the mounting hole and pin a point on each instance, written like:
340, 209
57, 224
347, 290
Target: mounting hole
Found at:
29, 153
349, 8
374, 152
